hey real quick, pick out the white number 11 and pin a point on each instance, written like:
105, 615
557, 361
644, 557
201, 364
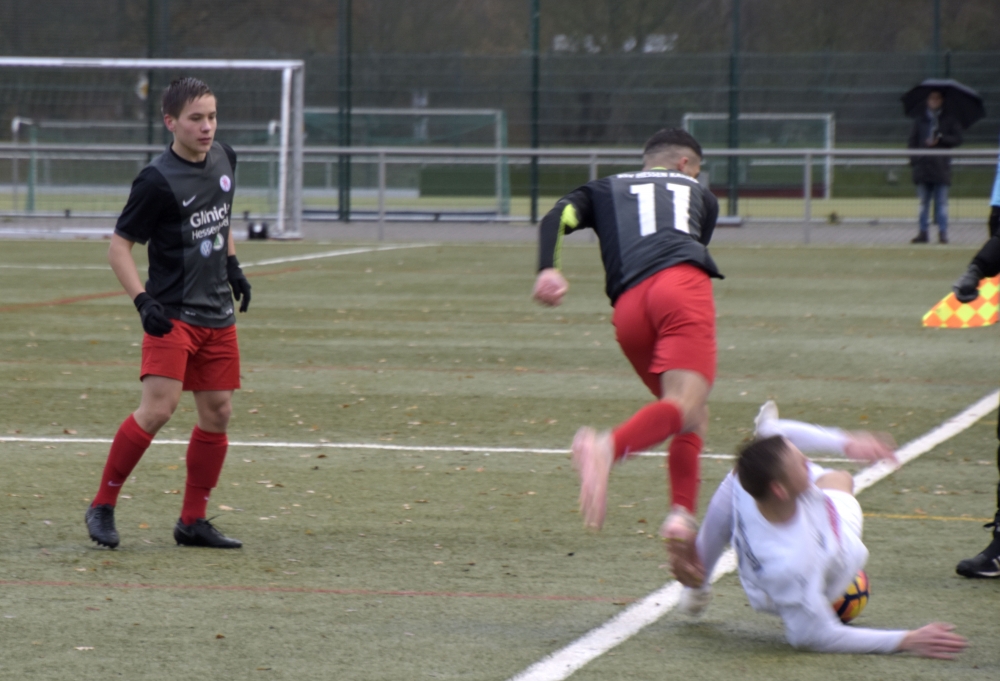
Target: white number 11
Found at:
681, 194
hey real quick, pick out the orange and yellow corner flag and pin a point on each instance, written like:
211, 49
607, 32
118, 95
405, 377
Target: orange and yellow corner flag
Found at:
983, 311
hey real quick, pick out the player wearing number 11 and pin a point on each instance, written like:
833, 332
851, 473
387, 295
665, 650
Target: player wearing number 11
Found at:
654, 226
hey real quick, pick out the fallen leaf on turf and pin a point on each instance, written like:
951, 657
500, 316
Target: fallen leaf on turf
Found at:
83, 647
80, 569
143, 526
253, 411
263, 669
223, 507
219, 636
420, 501
439, 562
69, 431
321, 456
172, 468
171, 491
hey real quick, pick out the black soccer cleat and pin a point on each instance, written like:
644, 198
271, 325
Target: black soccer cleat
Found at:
101, 525
986, 564
202, 533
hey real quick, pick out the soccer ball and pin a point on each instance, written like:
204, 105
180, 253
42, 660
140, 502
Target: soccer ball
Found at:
854, 599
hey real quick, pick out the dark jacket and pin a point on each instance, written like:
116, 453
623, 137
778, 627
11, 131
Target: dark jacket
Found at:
933, 169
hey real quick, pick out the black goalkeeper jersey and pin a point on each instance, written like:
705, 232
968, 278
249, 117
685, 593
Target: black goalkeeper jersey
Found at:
182, 210
646, 222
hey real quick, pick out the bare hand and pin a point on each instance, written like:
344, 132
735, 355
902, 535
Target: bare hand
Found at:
550, 287
864, 446
689, 572
934, 640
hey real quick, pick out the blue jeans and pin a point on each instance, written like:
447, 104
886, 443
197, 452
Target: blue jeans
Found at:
939, 192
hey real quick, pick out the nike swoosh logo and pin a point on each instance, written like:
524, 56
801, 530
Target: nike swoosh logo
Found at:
112, 483
186, 203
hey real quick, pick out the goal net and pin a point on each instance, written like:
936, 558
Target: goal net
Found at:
81, 129
767, 131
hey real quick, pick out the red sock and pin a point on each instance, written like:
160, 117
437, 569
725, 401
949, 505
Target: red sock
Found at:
130, 443
683, 467
205, 455
649, 426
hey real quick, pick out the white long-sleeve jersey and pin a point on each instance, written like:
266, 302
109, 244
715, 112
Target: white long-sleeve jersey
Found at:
794, 569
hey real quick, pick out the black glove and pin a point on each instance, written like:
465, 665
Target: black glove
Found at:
154, 319
994, 221
967, 287
238, 282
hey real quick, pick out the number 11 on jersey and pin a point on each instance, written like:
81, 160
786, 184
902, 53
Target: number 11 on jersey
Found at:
681, 198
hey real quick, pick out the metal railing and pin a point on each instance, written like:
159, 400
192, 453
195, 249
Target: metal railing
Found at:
384, 158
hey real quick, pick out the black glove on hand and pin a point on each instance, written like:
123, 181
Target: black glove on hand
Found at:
994, 221
238, 282
967, 287
154, 319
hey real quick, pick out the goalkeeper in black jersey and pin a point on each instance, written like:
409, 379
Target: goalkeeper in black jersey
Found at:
180, 205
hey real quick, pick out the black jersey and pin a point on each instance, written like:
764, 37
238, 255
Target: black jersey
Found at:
182, 209
646, 222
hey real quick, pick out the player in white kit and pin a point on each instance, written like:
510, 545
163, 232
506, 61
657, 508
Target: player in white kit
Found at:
796, 530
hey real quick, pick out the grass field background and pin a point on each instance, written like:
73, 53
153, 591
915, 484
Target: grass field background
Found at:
382, 564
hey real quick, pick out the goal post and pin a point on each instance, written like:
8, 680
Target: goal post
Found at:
770, 130
288, 213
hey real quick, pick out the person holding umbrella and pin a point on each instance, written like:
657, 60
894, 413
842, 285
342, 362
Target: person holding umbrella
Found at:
941, 109
934, 129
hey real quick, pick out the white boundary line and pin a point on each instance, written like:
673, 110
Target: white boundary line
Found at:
563, 663
360, 445
260, 263
332, 254
55, 267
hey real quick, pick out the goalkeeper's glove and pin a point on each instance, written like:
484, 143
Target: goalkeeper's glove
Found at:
967, 287
994, 221
154, 319
238, 282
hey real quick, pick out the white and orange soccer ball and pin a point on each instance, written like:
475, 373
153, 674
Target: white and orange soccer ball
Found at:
855, 598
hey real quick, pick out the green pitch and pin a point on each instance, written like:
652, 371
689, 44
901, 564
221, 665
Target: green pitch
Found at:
391, 564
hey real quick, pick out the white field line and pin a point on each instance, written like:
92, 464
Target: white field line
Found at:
354, 445
563, 663
270, 261
54, 267
332, 254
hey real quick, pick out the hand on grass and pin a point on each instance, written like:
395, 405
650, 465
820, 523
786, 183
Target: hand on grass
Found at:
935, 640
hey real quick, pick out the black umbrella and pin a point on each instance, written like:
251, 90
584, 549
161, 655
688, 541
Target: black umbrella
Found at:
961, 101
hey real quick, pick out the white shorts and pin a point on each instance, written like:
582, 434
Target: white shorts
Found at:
849, 510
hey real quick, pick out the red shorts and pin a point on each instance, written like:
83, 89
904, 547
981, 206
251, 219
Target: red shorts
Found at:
667, 322
205, 359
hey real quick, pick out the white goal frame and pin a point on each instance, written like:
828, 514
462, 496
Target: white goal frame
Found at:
289, 217
829, 134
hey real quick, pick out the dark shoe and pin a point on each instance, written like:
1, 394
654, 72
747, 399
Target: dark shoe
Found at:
203, 533
101, 525
919, 239
986, 564
942, 238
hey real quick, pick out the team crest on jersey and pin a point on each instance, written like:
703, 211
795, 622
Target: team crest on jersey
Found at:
206, 248
219, 243
225, 183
